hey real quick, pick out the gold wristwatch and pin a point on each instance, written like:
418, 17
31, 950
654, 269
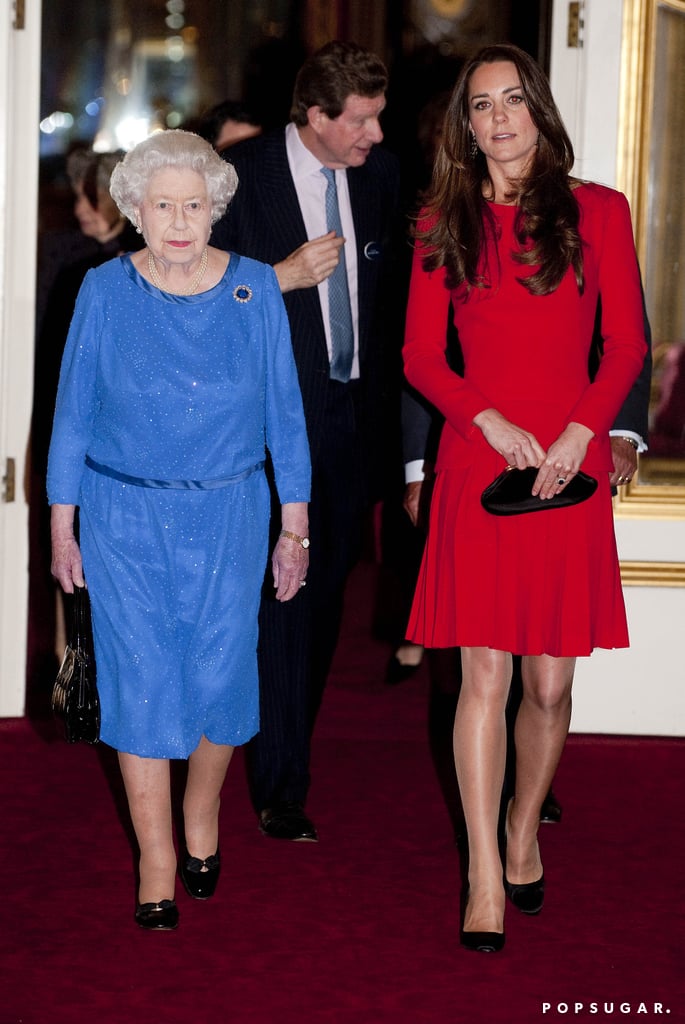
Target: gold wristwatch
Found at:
302, 541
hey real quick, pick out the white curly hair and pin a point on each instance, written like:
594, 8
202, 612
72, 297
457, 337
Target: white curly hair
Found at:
174, 148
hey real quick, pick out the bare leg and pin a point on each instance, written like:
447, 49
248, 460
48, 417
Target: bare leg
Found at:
479, 755
540, 733
207, 767
149, 799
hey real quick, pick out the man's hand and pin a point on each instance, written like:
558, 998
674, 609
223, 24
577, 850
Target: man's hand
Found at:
624, 456
411, 502
311, 264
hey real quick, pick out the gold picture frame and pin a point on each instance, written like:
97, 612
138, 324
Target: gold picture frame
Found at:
653, 574
649, 171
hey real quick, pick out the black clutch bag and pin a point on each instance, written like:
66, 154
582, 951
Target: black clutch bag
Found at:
510, 493
75, 700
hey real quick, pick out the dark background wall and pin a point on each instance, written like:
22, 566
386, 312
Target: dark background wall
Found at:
95, 55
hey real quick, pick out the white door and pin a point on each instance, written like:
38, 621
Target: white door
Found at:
20, 23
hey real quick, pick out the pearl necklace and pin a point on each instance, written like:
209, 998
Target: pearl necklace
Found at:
194, 284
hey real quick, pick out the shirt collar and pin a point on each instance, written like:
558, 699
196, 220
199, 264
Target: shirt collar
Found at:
302, 161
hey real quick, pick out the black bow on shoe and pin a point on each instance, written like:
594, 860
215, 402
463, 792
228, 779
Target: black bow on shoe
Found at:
200, 877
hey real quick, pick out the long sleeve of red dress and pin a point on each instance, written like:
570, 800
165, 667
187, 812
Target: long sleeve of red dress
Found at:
536, 344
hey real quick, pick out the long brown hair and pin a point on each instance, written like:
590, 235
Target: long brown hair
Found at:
459, 218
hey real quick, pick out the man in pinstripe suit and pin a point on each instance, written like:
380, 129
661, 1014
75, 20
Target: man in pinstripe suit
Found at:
279, 216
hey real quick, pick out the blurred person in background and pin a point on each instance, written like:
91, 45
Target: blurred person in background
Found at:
65, 257
226, 123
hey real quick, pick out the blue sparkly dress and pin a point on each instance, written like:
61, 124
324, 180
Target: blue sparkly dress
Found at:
165, 408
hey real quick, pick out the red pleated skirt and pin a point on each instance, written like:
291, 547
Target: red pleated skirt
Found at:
541, 583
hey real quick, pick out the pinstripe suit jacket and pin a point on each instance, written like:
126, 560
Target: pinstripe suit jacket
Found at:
264, 221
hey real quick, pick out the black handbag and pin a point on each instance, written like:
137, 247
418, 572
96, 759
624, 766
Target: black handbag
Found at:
509, 494
75, 700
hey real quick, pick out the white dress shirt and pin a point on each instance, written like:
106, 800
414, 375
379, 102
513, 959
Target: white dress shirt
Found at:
310, 185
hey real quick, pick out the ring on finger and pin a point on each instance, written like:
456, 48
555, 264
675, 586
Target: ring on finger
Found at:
303, 583
561, 480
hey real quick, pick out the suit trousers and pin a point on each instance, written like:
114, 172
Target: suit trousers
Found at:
297, 638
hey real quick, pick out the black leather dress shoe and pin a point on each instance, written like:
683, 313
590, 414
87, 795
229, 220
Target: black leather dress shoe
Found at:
528, 897
288, 821
199, 883
161, 917
483, 942
550, 812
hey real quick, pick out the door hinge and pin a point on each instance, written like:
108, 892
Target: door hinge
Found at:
574, 37
19, 14
8, 481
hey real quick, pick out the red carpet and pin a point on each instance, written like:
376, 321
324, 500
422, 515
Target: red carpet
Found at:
362, 927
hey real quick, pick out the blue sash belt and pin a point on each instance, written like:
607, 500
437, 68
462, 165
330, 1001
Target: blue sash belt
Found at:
182, 485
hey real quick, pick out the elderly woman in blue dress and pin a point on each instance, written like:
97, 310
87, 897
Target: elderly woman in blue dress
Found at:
177, 383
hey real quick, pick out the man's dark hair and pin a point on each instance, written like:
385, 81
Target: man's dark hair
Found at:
333, 73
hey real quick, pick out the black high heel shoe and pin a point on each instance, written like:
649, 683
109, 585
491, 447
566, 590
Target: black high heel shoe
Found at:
527, 897
481, 942
162, 916
198, 883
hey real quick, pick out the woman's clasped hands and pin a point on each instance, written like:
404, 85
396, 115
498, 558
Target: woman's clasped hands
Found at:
521, 449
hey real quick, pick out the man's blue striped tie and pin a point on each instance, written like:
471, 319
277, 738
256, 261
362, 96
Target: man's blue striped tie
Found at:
339, 310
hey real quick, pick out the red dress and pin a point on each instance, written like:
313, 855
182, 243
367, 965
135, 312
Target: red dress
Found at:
543, 583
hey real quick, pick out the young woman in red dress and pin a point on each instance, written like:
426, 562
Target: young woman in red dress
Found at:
525, 252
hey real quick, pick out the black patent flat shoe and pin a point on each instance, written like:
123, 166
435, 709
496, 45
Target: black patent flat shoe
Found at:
483, 942
528, 897
199, 883
161, 917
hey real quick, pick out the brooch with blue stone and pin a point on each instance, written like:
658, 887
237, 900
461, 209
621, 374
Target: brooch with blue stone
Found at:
242, 293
